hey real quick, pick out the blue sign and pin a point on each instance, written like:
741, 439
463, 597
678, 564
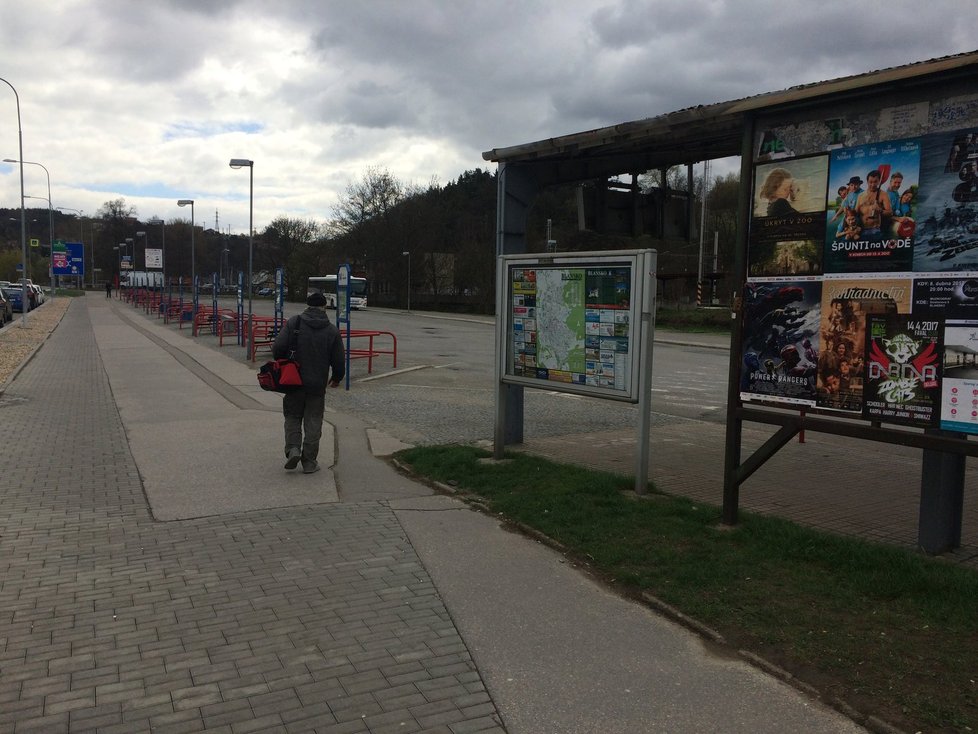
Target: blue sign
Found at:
68, 259
343, 311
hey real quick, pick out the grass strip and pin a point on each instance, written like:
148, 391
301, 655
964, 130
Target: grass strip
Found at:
891, 633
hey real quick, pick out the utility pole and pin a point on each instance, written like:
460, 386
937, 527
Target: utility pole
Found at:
699, 278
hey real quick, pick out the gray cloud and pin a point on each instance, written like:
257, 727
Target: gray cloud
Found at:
149, 101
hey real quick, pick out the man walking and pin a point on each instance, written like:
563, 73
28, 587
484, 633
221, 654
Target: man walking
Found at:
319, 352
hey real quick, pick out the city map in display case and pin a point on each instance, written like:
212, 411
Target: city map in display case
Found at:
572, 325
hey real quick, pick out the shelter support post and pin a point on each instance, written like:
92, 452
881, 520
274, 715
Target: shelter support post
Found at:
516, 190
735, 425
941, 500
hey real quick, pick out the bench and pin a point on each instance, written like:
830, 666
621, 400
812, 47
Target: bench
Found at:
205, 316
173, 309
221, 322
262, 334
227, 325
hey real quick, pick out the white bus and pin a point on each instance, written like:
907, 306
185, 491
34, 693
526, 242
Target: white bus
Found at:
326, 284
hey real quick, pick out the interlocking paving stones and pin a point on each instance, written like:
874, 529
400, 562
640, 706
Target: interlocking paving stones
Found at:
315, 617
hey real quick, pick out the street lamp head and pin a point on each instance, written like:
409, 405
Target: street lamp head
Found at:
10, 160
140, 234
406, 252
241, 163
154, 220
185, 202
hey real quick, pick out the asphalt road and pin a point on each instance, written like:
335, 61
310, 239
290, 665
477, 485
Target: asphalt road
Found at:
445, 370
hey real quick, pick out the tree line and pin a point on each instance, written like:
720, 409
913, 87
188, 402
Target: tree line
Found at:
448, 230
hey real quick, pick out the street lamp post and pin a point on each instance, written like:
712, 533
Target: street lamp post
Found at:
250, 165
118, 280
131, 252
23, 212
50, 239
145, 245
50, 218
81, 224
193, 266
162, 224
92, 257
408, 253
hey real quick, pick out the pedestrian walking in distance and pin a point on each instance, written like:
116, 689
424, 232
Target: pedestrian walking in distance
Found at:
319, 352
108, 289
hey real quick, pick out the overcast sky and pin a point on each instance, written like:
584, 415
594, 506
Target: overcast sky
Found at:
148, 100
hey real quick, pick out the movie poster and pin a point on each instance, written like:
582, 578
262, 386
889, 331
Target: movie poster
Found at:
872, 192
903, 370
846, 305
947, 213
959, 397
781, 341
787, 218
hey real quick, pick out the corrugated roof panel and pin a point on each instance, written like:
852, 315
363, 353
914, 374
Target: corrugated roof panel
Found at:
716, 128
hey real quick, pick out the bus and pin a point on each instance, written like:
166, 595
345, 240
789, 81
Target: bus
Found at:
326, 284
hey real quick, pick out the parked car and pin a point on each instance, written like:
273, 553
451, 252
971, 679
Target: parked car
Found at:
15, 294
32, 294
6, 309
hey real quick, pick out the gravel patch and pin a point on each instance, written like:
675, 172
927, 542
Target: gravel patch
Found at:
18, 342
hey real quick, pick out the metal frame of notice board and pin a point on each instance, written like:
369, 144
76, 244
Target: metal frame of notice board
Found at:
605, 353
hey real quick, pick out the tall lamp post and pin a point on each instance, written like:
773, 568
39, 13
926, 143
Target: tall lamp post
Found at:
162, 224
145, 245
193, 266
250, 165
23, 212
131, 251
118, 280
81, 223
50, 239
94, 225
50, 215
408, 253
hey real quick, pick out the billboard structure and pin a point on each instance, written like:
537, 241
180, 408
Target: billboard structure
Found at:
862, 262
579, 323
855, 275
860, 283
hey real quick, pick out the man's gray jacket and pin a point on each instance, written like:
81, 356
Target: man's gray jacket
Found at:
319, 349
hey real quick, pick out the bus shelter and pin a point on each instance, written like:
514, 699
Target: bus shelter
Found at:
855, 304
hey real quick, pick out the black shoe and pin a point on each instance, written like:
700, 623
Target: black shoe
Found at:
310, 467
292, 461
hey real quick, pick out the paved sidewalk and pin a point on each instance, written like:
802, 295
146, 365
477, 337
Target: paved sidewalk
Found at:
159, 571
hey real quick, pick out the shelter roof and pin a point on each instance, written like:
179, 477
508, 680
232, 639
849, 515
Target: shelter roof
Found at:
705, 132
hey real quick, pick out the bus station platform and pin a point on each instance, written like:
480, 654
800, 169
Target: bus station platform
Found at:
162, 572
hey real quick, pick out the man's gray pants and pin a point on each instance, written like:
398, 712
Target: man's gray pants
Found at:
303, 422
